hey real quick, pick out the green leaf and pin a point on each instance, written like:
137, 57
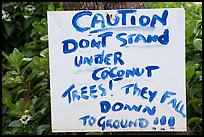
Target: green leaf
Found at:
198, 74
17, 79
190, 63
198, 106
189, 73
6, 67
44, 53
94, 133
8, 81
6, 4
24, 61
18, 107
193, 100
27, 59
190, 26
195, 89
194, 120
42, 128
16, 57
12, 72
40, 29
32, 75
7, 98
44, 38
51, 7
40, 84
27, 67
198, 44
60, 9
15, 123
9, 27
6, 56
27, 23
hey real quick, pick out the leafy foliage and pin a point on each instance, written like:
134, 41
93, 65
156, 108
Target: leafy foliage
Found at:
25, 66
25, 81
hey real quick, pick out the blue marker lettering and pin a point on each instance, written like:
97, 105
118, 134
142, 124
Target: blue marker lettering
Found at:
163, 120
139, 37
144, 20
101, 124
127, 87
150, 112
66, 48
67, 93
92, 120
164, 39
143, 123
83, 41
143, 91
75, 95
114, 107
166, 95
93, 91
116, 124
111, 84
162, 19
149, 70
104, 35
118, 36
105, 106
108, 123
84, 119
95, 20
95, 44
94, 77
117, 58
171, 121
152, 38
130, 39
124, 125
136, 90
77, 64
133, 22
83, 92
100, 87
108, 18
75, 21
124, 13
107, 58
152, 95
136, 108
88, 60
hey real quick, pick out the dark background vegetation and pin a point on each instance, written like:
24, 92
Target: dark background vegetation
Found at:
25, 65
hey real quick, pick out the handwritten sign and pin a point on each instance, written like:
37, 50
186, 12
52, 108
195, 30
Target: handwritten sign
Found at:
117, 70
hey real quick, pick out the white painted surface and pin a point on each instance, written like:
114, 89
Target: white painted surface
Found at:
169, 77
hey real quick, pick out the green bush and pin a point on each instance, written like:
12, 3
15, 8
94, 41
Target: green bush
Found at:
25, 65
25, 69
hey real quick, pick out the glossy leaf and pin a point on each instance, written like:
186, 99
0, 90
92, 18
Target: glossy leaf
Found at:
44, 53
190, 70
44, 38
42, 128
51, 6
15, 123
194, 120
198, 44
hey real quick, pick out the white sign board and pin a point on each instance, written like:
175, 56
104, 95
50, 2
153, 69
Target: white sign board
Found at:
117, 70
